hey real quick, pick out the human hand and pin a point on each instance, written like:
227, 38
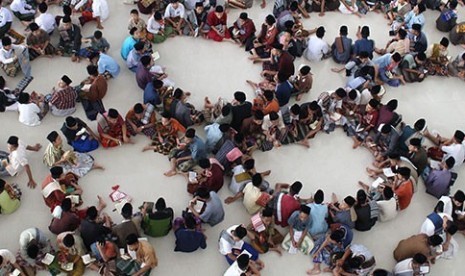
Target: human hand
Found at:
229, 200
31, 184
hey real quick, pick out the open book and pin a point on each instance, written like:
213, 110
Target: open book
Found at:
67, 267
48, 259
388, 172
15, 272
74, 199
87, 259
155, 56
377, 182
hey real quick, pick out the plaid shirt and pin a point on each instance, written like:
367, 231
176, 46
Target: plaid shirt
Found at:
64, 98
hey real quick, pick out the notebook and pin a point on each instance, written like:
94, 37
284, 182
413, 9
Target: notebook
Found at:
155, 56
388, 172
15, 272
67, 267
74, 199
192, 177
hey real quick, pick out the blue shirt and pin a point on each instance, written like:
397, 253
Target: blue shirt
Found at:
214, 212
189, 240
437, 182
298, 225
383, 61
128, 45
364, 45
198, 149
151, 95
213, 135
107, 64
283, 93
411, 18
318, 214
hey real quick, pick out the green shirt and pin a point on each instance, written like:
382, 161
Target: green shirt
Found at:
8, 205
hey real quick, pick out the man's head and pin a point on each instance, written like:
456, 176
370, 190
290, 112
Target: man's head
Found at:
295, 188
126, 211
419, 8
365, 31
203, 193
388, 193
134, 13
43, 7
277, 49
459, 198
190, 134
160, 205
361, 197
420, 58
270, 20
199, 7
349, 201
404, 172
243, 17
416, 29
64, 81
92, 213
34, 28
146, 61
204, 163
219, 10
239, 96
304, 212
13, 143
449, 163
92, 70
415, 144
267, 216
66, 22
341, 93
6, 43
459, 136
243, 262
138, 110
158, 16
71, 122
56, 172
304, 70
343, 30
239, 233
2, 187
258, 117
133, 242
444, 43
401, 34
54, 138
257, 180
372, 105
419, 259
319, 197
113, 116
392, 105
174, 3
68, 240
320, 32
32, 250
396, 57
66, 205
337, 235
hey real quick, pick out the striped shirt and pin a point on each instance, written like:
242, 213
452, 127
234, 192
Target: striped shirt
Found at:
64, 98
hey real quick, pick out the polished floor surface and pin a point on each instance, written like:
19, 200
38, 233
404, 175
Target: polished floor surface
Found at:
216, 70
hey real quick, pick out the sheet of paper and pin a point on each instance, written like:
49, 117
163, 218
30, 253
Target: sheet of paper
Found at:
377, 182
388, 172
48, 259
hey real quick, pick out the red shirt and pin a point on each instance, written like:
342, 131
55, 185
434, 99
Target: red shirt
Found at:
288, 205
64, 98
213, 20
404, 193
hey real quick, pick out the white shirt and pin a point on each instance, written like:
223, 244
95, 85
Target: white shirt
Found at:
225, 247
404, 266
8, 257
170, 11
21, 7
428, 226
100, 9
316, 48
153, 26
78, 3
266, 125
7, 57
5, 16
455, 150
46, 22
365, 97
234, 270
29, 114
18, 159
387, 209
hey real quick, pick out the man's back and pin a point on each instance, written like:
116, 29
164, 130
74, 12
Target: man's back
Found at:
90, 231
214, 212
189, 240
122, 230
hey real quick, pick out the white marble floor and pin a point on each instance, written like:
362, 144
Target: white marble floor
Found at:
218, 69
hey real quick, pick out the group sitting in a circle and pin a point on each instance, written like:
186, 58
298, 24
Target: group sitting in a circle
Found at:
87, 238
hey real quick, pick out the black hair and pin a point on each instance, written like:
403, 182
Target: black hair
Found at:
43, 7
24, 98
98, 34
132, 239
32, 251
92, 213
319, 197
343, 30
113, 113
270, 19
257, 179
66, 205
92, 70
138, 108
68, 240
240, 232
126, 211
204, 163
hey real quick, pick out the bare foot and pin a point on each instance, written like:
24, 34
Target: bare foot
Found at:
148, 147
36, 147
170, 173
98, 167
101, 203
313, 271
356, 144
299, 97
268, 172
